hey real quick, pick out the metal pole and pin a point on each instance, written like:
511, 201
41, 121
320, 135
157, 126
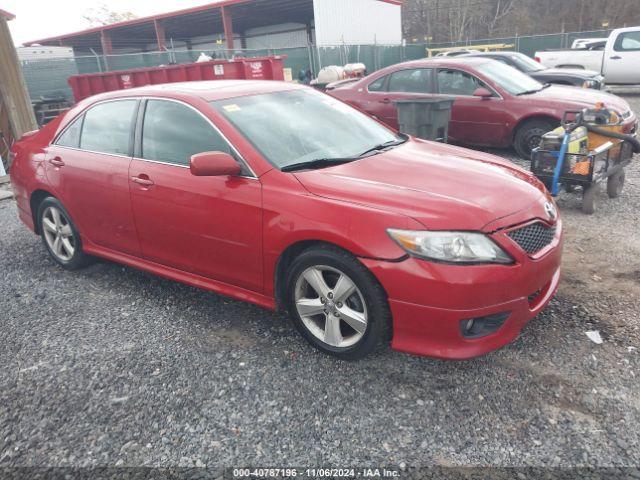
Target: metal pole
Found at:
97, 59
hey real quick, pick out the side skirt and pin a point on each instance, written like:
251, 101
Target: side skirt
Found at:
191, 279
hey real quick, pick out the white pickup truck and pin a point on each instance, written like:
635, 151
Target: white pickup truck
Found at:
618, 60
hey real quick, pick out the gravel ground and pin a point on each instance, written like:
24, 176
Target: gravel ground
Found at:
113, 367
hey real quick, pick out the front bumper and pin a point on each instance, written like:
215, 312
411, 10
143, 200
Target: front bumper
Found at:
429, 300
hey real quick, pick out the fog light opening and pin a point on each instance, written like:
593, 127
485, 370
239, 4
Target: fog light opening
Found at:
483, 326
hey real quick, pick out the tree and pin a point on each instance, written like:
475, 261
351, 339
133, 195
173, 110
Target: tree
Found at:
103, 15
457, 20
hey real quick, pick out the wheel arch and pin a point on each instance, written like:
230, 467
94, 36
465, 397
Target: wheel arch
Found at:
547, 117
288, 256
36, 198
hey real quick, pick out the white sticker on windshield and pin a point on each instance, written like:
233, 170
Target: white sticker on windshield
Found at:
232, 108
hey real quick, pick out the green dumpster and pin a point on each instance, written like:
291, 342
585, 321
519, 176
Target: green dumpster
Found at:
426, 118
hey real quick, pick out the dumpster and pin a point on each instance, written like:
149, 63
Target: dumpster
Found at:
259, 68
426, 118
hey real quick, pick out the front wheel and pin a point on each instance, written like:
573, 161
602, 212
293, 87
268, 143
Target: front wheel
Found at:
337, 304
529, 136
60, 236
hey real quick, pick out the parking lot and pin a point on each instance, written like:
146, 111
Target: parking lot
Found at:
112, 366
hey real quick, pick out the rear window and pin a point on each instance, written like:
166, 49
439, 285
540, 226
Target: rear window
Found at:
71, 136
108, 126
378, 85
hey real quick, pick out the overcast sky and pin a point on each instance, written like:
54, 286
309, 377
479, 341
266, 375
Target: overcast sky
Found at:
37, 19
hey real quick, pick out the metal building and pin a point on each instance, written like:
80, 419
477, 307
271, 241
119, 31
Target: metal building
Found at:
245, 24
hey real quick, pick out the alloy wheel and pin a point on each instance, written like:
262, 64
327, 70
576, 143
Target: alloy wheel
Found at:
331, 306
58, 233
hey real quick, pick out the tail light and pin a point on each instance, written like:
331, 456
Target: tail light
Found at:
537, 59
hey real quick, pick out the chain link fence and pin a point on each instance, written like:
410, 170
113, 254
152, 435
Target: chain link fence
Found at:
48, 78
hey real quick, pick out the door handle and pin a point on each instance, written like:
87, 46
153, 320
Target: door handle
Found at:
617, 57
56, 162
385, 100
145, 182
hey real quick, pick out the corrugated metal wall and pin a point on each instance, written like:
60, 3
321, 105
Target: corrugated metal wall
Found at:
277, 36
357, 22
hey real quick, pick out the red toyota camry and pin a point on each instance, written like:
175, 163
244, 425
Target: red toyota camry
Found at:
285, 197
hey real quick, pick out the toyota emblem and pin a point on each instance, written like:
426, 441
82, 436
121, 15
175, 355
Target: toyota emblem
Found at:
551, 210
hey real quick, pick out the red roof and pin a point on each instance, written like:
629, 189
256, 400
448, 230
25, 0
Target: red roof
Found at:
6, 15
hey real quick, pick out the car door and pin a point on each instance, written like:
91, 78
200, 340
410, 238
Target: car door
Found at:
399, 85
374, 99
622, 59
88, 169
209, 226
474, 120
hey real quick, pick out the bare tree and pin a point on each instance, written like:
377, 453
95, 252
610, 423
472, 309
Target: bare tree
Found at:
103, 15
497, 13
456, 20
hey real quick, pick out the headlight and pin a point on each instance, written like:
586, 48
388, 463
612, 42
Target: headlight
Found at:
450, 247
590, 84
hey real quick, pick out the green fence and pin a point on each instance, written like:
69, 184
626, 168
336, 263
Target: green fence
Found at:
48, 77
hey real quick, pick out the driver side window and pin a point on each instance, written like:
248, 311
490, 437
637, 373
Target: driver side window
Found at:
457, 82
173, 132
628, 42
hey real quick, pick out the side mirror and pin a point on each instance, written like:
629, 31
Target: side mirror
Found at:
482, 93
214, 164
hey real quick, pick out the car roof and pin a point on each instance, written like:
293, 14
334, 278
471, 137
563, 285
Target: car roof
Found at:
490, 54
440, 62
208, 90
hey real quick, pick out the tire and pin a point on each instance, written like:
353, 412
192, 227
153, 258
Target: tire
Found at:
60, 236
336, 304
615, 184
529, 135
589, 199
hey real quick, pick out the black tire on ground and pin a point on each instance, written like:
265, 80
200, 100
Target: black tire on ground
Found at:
79, 259
615, 184
378, 329
529, 136
589, 199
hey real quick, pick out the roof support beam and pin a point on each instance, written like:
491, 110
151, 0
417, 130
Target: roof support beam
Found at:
227, 23
105, 40
160, 35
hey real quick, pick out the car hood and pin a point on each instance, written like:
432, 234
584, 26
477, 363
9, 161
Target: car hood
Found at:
563, 72
440, 186
578, 98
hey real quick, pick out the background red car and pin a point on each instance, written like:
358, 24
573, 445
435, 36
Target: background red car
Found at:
495, 104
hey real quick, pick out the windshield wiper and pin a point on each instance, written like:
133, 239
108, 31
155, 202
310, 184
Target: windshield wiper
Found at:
528, 92
318, 163
328, 162
382, 146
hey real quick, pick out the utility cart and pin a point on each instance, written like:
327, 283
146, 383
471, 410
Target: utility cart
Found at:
580, 154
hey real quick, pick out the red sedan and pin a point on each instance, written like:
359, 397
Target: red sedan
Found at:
285, 197
495, 104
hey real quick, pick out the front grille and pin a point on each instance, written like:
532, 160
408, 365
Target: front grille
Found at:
534, 237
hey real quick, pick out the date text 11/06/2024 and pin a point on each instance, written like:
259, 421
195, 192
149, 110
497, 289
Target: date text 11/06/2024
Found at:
347, 473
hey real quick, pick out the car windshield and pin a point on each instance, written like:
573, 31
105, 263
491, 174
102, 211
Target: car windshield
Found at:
526, 64
512, 80
304, 126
